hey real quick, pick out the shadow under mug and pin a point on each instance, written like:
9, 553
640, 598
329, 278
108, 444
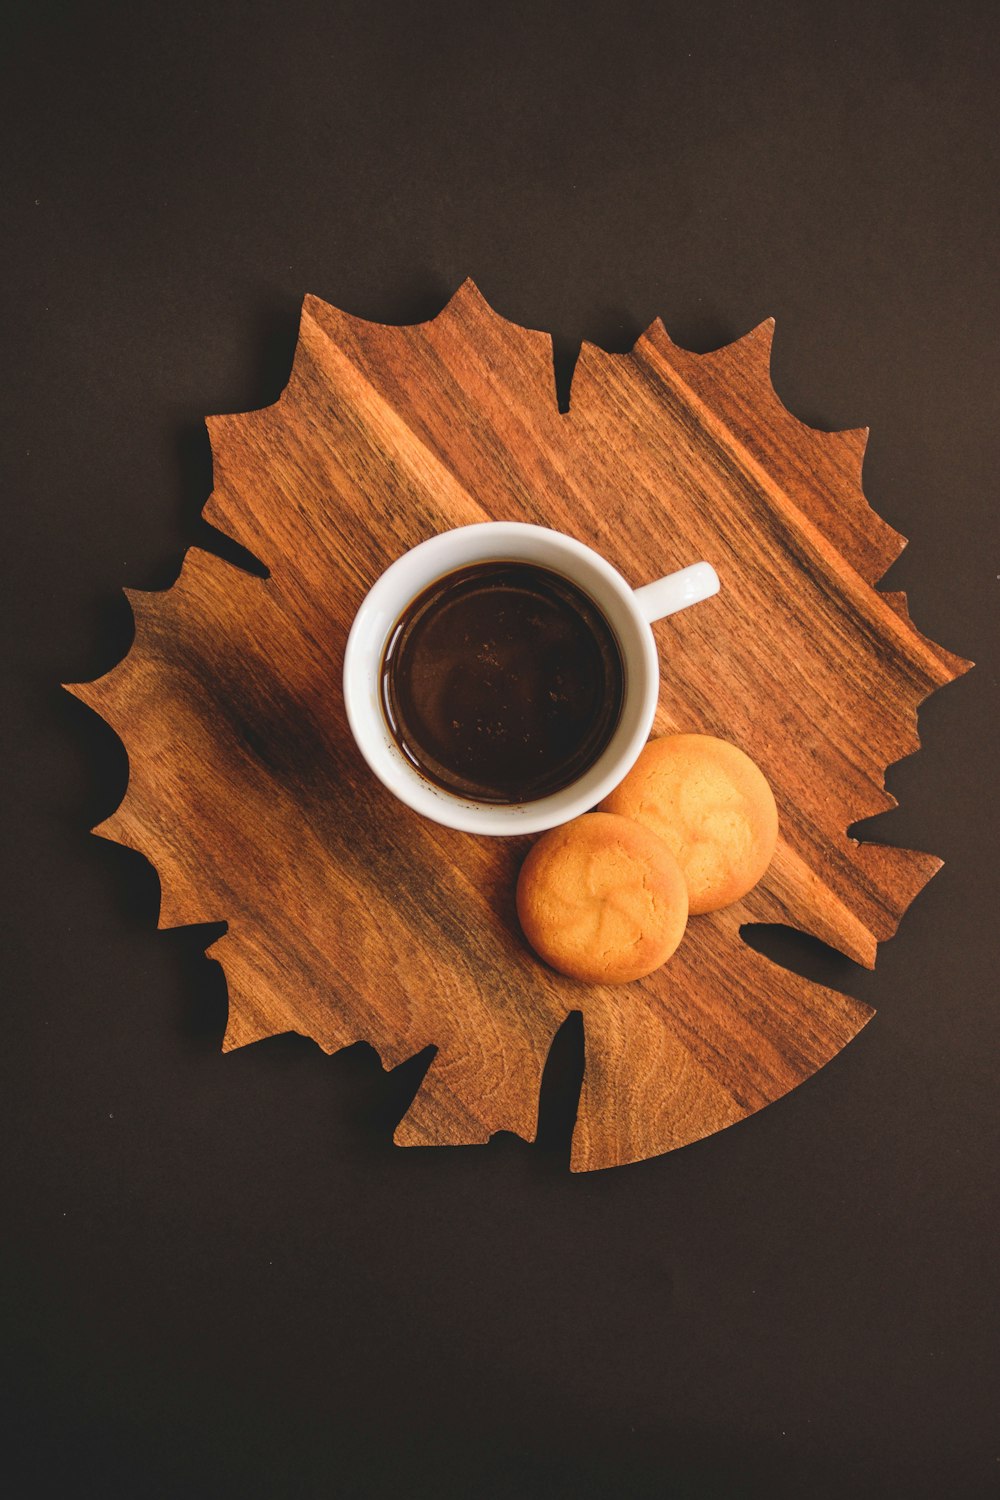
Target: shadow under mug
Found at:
628, 611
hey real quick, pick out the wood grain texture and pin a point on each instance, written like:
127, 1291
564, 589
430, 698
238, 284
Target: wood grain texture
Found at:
349, 917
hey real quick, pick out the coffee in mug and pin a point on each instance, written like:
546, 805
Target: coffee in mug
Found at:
537, 716
503, 682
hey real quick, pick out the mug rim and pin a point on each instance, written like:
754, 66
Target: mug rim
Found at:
378, 612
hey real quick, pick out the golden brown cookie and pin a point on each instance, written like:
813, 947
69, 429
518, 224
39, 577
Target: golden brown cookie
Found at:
602, 899
712, 805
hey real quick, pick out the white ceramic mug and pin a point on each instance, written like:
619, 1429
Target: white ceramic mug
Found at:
628, 611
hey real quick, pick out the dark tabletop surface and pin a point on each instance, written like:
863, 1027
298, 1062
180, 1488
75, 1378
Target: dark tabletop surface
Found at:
219, 1277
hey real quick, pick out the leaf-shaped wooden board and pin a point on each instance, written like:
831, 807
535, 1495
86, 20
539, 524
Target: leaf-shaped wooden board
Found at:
349, 917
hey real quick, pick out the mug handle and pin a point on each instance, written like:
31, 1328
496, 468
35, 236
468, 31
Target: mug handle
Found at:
675, 592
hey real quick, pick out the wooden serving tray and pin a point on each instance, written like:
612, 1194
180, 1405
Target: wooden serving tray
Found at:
351, 918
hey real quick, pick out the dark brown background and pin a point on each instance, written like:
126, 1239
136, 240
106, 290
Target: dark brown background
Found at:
218, 1276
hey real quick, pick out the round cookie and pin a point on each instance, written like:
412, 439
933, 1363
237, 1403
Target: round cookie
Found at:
602, 899
712, 805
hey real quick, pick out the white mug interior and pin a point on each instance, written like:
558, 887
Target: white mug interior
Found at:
508, 541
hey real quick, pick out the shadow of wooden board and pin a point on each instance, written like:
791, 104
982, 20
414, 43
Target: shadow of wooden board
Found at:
349, 917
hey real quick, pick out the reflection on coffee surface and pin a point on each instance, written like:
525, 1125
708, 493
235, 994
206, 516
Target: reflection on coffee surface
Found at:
502, 682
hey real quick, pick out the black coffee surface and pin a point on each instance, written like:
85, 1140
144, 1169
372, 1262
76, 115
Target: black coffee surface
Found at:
502, 682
